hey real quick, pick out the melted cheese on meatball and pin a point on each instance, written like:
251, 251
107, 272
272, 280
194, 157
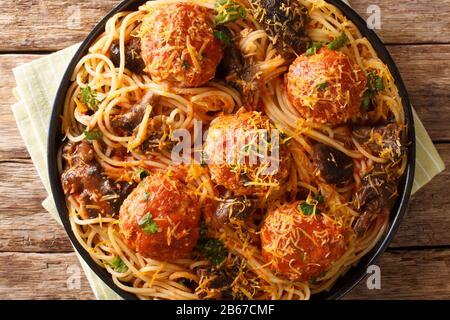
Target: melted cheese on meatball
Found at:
178, 45
326, 87
300, 246
234, 147
160, 218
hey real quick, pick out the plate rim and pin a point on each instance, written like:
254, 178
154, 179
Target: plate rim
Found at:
346, 282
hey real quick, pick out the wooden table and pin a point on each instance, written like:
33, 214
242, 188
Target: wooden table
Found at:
36, 258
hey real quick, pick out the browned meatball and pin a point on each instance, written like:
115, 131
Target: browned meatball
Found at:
326, 87
178, 45
231, 146
299, 245
160, 219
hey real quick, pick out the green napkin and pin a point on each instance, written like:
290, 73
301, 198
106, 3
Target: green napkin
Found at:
37, 83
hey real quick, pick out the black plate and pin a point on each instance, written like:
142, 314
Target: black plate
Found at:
347, 281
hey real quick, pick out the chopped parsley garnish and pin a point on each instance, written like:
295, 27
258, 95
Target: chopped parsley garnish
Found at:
338, 42
142, 173
313, 48
374, 85
319, 198
148, 225
119, 265
214, 250
89, 97
186, 65
92, 135
379, 85
228, 11
222, 36
365, 102
145, 196
308, 209
322, 86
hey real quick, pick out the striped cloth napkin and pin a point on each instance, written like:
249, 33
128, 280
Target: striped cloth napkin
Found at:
37, 83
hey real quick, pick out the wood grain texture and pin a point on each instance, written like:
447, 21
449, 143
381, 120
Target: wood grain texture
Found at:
420, 274
427, 221
53, 25
404, 275
42, 276
11, 144
425, 70
25, 225
49, 24
409, 21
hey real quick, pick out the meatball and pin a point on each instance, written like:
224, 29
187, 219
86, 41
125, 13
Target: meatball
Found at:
298, 246
178, 45
334, 166
241, 156
160, 219
326, 87
285, 22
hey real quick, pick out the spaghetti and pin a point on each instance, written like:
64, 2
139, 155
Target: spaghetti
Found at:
120, 121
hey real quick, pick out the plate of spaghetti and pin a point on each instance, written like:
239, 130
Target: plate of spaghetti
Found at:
231, 149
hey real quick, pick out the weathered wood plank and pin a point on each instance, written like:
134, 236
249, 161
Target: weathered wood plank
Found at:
53, 25
404, 275
406, 21
420, 274
42, 276
11, 144
425, 69
48, 24
26, 227
427, 220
